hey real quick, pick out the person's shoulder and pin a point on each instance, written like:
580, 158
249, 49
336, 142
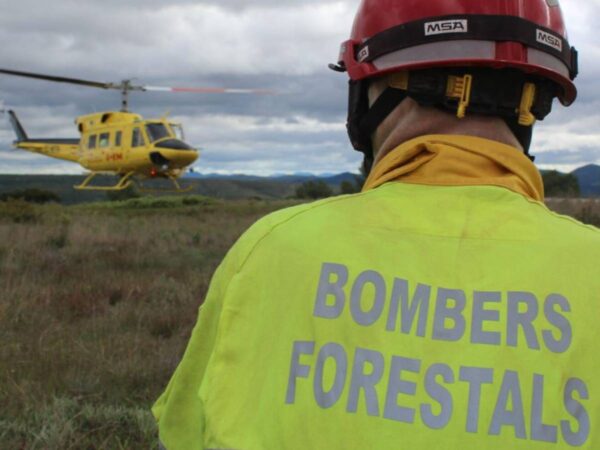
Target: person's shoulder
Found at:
313, 212
569, 229
290, 226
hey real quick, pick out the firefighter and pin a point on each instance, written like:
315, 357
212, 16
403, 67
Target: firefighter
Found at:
444, 307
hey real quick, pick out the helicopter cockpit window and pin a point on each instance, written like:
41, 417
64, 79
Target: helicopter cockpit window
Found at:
104, 140
137, 140
178, 130
92, 141
157, 131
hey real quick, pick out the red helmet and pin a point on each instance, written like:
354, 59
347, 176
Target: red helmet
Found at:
528, 35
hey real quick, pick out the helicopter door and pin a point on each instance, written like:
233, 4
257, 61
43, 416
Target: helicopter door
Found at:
137, 152
117, 145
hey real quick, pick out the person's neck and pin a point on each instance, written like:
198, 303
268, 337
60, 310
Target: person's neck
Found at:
415, 121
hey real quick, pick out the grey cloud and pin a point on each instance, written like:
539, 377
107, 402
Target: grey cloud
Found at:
137, 5
283, 45
95, 40
320, 96
578, 157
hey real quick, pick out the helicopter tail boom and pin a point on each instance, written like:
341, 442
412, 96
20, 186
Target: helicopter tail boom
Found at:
66, 149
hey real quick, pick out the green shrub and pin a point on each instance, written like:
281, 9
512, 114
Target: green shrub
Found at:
152, 203
126, 194
352, 187
558, 184
31, 195
313, 189
164, 202
195, 200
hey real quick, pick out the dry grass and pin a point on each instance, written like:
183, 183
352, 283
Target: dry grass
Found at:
586, 210
96, 306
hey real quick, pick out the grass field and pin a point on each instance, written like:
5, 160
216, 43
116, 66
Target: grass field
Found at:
96, 306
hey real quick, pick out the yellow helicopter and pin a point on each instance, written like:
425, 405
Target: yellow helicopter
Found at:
119, 142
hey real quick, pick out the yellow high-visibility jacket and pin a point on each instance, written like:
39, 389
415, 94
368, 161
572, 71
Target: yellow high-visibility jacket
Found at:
405, 317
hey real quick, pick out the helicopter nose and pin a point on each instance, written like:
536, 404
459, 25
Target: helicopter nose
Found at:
174, 144
175, 153
186, 158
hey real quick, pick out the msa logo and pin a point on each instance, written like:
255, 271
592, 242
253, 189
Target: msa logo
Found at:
363, 54
446, 26
549, 39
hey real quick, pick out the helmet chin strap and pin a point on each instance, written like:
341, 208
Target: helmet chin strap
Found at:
381, 109
524, 134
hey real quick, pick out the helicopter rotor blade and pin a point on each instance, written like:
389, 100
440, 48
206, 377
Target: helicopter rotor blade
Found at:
126, 85
56, 79
208, 90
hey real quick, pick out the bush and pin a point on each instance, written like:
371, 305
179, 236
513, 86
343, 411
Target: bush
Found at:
313, 189
39, 196
125, 194
163, 202
346, 187
349, 187
558, 184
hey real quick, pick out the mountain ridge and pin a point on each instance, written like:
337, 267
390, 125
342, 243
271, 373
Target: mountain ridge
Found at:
237, 186
589, 179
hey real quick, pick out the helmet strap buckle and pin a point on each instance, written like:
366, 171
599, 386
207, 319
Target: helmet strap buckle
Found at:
526, 117
460, 88
399, 80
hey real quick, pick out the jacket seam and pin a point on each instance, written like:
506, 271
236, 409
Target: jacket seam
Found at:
317, 205
539, 204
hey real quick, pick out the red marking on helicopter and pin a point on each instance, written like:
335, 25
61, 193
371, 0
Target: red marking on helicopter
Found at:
114, 157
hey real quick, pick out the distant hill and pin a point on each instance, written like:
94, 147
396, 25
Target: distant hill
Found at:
236, 186
286, 178
212, 185
589, 180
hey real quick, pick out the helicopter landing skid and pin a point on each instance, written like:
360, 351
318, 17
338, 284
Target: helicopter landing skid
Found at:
176, 190
125, 181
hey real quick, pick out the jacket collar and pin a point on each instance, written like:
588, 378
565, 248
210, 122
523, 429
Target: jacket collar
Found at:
455, 160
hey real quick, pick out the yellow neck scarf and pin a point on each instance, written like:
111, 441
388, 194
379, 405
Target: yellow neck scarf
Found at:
448, 160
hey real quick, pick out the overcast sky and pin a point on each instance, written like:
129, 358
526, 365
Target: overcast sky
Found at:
278, 44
